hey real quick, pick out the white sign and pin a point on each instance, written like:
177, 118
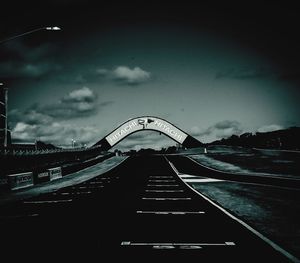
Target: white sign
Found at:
21, 180
43, 174
146, 123
55, 173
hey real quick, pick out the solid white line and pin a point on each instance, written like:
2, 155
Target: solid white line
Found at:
201, 180
258, 234
187, 176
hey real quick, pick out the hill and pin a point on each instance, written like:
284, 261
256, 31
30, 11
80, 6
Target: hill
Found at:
286, 139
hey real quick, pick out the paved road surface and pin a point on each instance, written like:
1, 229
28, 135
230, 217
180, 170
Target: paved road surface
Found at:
141, 210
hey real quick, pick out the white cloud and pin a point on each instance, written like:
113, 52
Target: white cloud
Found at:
57, 133
81, 94
47, 122
269, 128
222, 129
131, 76
126, 75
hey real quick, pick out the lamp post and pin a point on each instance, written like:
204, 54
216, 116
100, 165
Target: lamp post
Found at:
73, 143
49, 28
5, 97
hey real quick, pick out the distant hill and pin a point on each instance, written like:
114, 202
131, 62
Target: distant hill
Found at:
286, 139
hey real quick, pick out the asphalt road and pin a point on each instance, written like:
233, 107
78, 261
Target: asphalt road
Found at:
139, 211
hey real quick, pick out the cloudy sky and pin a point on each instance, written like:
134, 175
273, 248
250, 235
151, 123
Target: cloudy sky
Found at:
213, 70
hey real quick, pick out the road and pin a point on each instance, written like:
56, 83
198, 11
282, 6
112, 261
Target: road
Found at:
140, 210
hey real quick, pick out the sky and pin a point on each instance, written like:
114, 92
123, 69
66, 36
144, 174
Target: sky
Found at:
211, 69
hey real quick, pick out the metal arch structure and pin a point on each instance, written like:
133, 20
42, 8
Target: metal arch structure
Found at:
147, 123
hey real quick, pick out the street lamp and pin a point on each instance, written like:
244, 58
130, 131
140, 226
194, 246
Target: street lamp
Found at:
4, 102
49, 28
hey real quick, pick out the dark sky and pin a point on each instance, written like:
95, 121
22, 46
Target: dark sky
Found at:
212, 69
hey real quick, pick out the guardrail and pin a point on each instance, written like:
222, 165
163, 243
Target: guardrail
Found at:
34, 176
11, 151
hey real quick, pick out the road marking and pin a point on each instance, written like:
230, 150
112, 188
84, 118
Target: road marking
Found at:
258, 234
18, 216
129, 243
166, 198
164, 191
162, 181
171, 212
163, 185
48, 201
187, 176
161, 176
202, 180
75, 193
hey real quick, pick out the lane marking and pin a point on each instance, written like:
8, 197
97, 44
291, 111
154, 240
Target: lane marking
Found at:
75, 193
200, 180
17, 216
129, 243
166, 198
171, 212
187, 176
258, 234
161, 181
48, 201
164, 191
163, 185
161, 176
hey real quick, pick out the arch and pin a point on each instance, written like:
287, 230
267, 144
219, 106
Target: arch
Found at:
147, 123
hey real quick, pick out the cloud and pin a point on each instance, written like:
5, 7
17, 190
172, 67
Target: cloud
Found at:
126, 75
131, 76
270, 128
78, 103
47, 122
60, 134
220, 129
29, 116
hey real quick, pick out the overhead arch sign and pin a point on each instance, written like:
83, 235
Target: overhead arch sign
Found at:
146, 123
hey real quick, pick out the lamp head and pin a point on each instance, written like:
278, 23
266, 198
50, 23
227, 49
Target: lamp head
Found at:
53, 28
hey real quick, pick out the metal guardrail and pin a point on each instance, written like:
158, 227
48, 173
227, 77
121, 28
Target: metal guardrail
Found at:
27, 152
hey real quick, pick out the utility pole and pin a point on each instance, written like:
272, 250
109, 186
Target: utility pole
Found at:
3, 103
